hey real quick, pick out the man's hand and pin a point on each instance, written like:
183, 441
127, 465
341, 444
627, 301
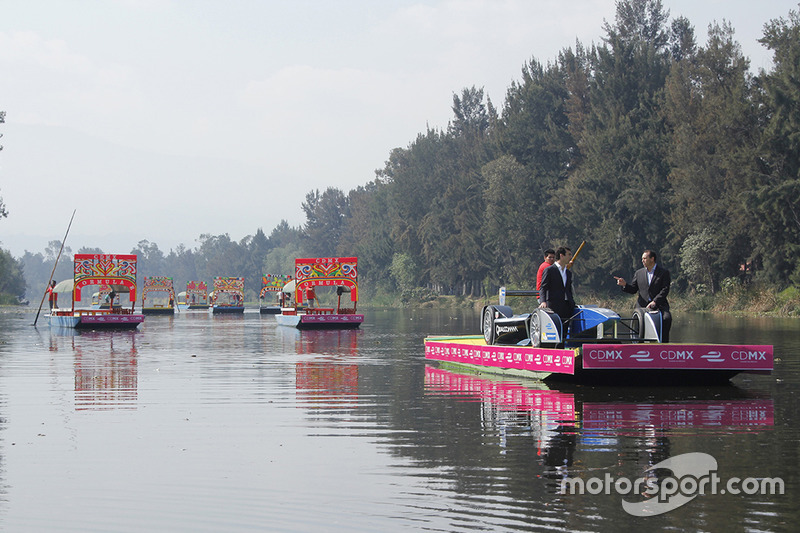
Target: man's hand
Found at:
621, 282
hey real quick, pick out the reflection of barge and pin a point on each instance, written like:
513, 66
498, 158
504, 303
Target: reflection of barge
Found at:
724, 407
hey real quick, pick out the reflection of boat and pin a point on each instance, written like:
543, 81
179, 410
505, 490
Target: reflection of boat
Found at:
271, 298
228, 295
329, 383
197, 295
106, 370
577, 421
330, 379
158, 296
339, 273
605, 348
726, 408
115, 271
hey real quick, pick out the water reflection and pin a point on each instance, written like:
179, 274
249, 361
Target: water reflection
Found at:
105, 367
240, 425
637, 426
331, 381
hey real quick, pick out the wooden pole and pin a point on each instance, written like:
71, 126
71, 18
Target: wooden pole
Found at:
54, 267
575, 255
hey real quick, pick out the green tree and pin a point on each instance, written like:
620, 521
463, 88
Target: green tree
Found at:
149, 260
617, 198
538, 152
777, 187
219, 256
367, 232
404, 271
709, 106
12, 278
325, 216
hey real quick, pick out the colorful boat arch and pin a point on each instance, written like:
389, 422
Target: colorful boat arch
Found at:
115, 271
157, 284
326, 272
196, 293
272, 283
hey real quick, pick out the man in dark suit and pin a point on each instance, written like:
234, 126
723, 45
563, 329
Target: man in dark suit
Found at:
556, 289
651, 284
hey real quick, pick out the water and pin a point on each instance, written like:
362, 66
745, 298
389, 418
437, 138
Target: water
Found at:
231, 423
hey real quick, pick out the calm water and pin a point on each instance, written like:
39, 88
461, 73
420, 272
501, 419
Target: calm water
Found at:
203, 423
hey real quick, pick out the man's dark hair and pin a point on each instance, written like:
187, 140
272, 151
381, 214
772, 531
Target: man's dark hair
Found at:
549, 251
562, 251
651, 253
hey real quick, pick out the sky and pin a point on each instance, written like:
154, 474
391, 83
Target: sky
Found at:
163, 120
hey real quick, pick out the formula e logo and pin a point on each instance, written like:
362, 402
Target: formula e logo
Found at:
713, 356
642, 356
506, 329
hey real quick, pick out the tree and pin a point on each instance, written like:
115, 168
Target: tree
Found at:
709, 106
622, 145
12, 280
325, 216
777, 187
367, 232
150, 260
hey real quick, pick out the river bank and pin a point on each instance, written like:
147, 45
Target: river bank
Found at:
733, 300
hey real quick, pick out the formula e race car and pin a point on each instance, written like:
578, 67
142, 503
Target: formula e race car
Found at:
542, 328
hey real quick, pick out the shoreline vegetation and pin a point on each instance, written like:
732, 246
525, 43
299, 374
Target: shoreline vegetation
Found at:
752, 300
736, 300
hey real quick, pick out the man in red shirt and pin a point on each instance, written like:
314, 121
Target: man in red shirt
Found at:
549, 259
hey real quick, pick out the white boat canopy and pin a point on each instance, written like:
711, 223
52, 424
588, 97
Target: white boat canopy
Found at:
64, 286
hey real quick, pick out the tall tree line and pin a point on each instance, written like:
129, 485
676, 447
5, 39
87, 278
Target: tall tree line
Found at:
646, 140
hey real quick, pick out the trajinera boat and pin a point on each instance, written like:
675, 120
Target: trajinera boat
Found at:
302, 308
270, 300
598, 346
228, 295
196, 295
158, 296
118, 272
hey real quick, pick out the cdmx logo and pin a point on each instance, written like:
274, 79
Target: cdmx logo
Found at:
690, 475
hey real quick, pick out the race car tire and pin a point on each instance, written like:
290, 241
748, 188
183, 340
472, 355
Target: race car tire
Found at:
637, 323
535, 329
487, 325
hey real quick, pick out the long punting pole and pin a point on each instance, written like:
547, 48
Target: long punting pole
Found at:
54, 267
569, 265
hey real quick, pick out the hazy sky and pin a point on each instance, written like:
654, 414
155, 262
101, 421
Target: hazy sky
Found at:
166, 119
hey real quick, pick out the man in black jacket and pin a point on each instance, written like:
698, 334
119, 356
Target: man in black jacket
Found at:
556, 289
651, 284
